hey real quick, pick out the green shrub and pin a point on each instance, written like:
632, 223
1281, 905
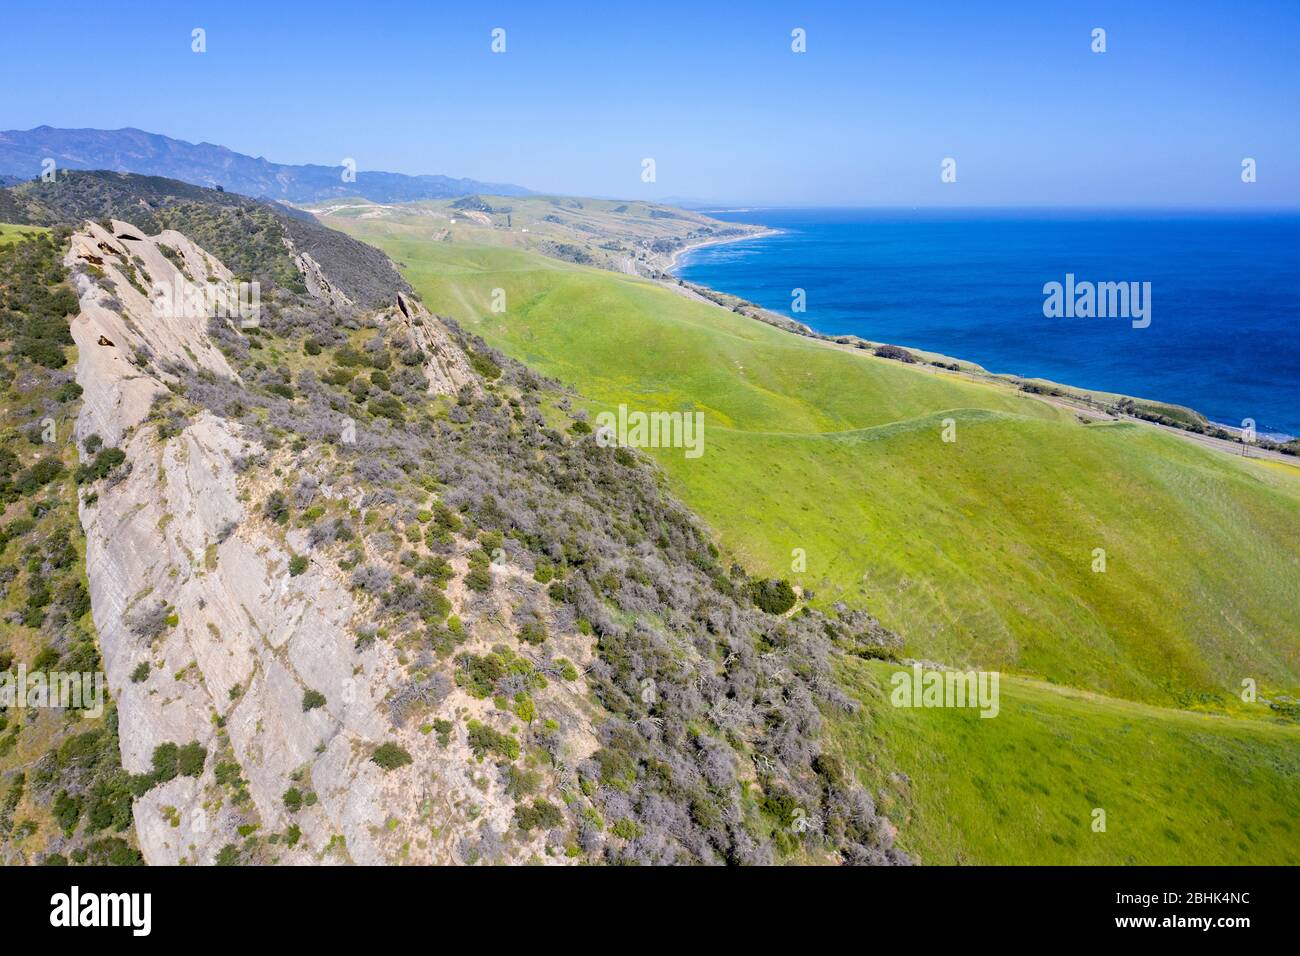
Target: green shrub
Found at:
626, 828
541, 813
484, 365
191, 758
386, 406
311, 699
484, 740
390, 756
479, 579
165, 759
229, 855
533, 632
276, 508
774, 597
104, 462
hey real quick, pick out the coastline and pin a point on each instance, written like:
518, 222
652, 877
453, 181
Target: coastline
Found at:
1202, 429
674, 259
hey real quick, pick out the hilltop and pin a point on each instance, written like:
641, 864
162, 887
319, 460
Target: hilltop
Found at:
270, 242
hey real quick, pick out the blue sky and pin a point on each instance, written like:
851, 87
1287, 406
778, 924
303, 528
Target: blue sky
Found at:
712, 92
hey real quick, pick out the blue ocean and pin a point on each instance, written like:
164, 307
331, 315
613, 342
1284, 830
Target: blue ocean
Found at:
1224, 295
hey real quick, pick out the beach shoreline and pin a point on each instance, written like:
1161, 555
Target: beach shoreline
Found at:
675, 258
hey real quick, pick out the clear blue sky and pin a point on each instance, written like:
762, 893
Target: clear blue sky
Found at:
711, 91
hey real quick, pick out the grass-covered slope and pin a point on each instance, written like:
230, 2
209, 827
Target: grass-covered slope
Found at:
1175, 787
12, 233
977, 551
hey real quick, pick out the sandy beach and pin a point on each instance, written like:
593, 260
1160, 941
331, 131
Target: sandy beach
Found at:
677, 254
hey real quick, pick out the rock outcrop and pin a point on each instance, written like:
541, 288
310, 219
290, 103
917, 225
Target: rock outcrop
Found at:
188, 576
314, 278
445, 365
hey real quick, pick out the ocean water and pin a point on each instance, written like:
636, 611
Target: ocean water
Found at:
1223, 337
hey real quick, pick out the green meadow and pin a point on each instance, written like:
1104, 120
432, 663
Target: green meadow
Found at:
828, 466
10, 232
1176, 788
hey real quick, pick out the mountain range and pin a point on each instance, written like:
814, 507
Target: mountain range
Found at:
23, 152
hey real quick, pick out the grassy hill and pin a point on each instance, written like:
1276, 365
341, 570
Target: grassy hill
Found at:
636, 238
1177, 788
979, 552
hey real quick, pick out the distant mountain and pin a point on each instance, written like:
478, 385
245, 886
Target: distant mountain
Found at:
22, 153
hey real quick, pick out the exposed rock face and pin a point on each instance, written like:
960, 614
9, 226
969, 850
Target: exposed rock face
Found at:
172, 538
313, 276
114, 326
445, 366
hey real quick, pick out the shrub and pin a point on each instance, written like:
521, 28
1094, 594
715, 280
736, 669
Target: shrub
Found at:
104, 462
191, 758
484, 740
229, 855
533, 632
293, 799
311, 699
386, 406
32, 479
390, 756
276, 508
151, 622
484, 365
626, 828
165, 758
541, 813
297, 565
895, 353
774, 597
141, 673
46, 659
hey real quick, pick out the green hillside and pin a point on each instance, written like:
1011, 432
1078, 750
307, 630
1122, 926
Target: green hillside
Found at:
12, 233
978, 551
1176, 788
